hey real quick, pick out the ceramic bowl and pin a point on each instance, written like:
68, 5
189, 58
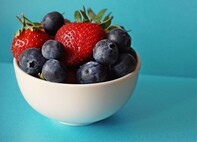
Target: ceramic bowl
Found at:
76, 104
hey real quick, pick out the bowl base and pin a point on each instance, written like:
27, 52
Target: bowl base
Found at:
74, 124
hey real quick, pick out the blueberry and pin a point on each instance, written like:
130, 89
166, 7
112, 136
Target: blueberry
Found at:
92, 72
54, 71
132, 52
31, 61
105, 52
125, 65
52, 22
120, 37
52, 49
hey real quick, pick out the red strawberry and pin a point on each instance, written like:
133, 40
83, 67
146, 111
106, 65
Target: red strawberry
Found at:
79, 40
31, 35
71, 76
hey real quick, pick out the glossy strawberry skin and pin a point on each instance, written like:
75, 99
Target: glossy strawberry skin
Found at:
28, 39
79, 40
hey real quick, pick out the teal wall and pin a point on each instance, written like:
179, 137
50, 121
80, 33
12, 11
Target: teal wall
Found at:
164, 31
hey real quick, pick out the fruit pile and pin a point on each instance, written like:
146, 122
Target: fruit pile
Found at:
88, 50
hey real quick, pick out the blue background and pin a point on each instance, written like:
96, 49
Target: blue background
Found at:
163, 106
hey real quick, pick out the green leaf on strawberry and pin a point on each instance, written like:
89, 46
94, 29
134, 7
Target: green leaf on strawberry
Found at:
77, 16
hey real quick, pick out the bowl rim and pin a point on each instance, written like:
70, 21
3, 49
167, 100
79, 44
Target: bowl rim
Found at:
16, 67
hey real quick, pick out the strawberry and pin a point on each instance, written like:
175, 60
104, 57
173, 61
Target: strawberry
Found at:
79, 40
71, 76
30, 35
80, 37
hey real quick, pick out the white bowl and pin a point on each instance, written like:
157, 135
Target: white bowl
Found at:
76, 104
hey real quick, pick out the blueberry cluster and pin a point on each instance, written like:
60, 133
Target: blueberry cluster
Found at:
113, 58
45, 62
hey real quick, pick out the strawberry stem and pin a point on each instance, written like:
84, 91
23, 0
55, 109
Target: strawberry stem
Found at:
90, 16
27, 24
